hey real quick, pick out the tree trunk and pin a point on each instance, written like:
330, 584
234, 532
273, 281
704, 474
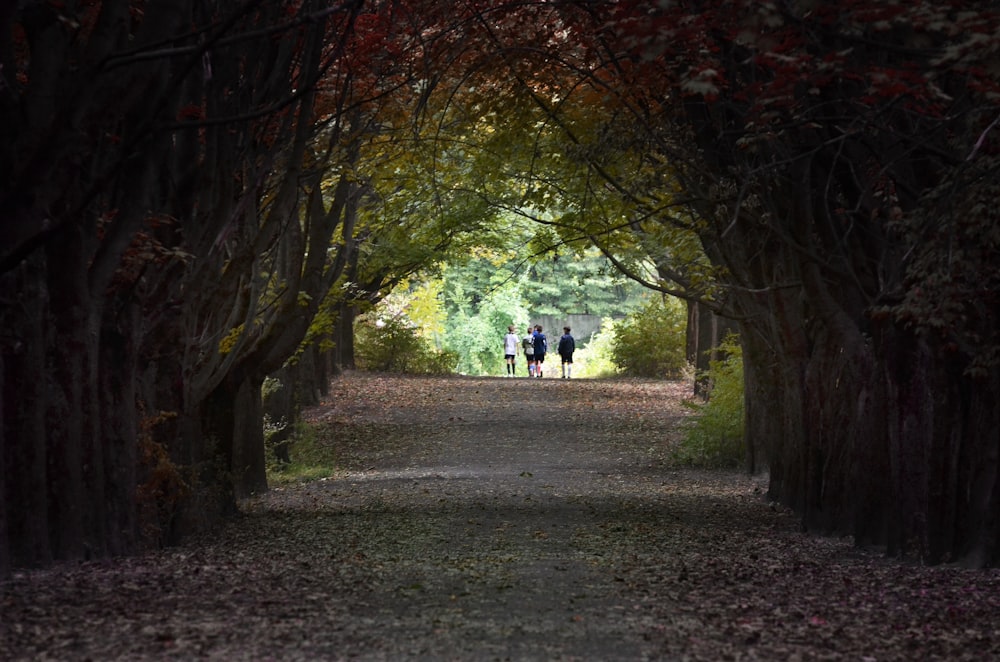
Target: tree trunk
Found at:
703, 334
201, 457
867, 427
69, 418
308, 380
248, 461
978, 473
71, 402
343, 336
118, 377
942, 437
774, 392
233, 416
25, 396
5, 564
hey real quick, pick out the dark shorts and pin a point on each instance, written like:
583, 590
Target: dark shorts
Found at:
538, 357
508, 356
567, 358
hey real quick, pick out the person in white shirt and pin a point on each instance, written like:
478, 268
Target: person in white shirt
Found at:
510, 343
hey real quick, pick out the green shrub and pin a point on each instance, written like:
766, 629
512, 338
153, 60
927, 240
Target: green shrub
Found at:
393, 344
310, 459
593, 359
715, 438
651, 341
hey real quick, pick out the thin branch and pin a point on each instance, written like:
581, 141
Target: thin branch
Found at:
141, 55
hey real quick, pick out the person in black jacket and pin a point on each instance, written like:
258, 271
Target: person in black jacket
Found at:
528, 344
566, 348
541, 344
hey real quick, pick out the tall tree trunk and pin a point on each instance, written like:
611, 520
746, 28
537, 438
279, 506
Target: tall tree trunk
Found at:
343, 336
119, 429
73, 436
25, 402
73, 355
703, 334
5, 563
248, 459
773, 366
978, 472
233, 417
870, 427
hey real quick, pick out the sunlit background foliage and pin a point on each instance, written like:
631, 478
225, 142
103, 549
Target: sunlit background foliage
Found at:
455, 322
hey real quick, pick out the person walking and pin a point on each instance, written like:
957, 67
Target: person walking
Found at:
510, 343
528, 343
566, 348
541, 346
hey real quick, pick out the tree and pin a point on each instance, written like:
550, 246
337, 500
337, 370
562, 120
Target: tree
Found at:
417, 209
140, 152
827, 154
71, 254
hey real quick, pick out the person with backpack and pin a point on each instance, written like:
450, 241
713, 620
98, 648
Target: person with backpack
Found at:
566, 348
541, 346
528, 343
510, 342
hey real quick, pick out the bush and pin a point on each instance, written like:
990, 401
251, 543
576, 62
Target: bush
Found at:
393, 344
651, 341
715, 439
309, 459
593, 359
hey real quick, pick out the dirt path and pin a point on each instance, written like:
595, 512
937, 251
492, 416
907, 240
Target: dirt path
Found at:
496, 519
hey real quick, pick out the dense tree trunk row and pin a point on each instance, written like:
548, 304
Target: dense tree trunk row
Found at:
869, 423
841, 165
166, 243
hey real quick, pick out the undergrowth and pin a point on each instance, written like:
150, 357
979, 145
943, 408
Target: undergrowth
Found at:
650, 341
394, 344
310, 459
715, 437
593, 359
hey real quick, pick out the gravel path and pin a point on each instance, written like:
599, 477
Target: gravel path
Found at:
505, 519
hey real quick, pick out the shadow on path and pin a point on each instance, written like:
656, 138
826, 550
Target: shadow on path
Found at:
496, 519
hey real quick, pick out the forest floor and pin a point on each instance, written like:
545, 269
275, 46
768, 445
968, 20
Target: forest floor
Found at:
505, 519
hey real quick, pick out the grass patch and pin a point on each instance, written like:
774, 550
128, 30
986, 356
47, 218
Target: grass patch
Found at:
311, 459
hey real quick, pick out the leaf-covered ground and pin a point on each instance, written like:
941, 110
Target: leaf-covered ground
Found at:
495, 519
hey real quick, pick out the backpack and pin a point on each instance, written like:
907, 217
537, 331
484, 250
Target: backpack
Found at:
529, 346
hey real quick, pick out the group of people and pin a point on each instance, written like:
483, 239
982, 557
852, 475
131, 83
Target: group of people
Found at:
534, 345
